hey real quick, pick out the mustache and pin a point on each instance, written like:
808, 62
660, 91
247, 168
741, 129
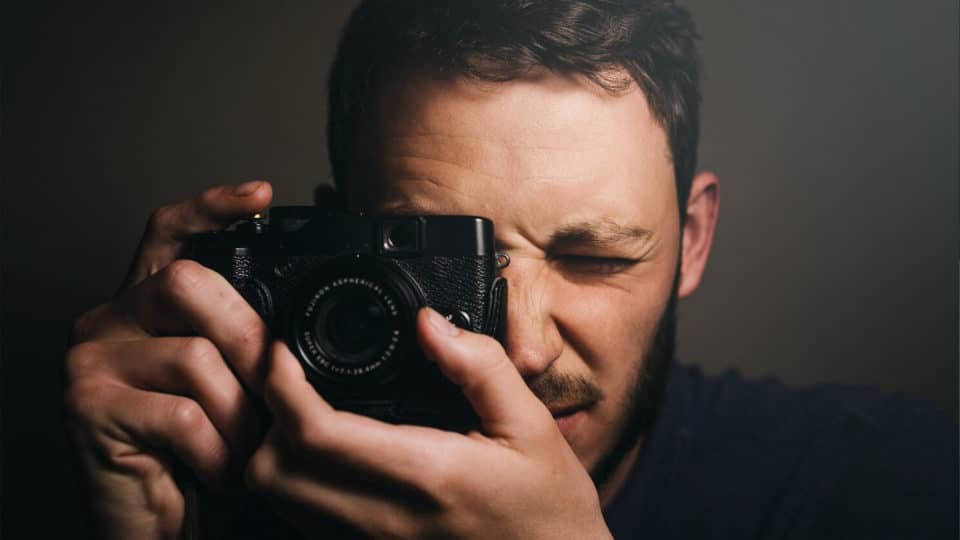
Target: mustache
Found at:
564, 389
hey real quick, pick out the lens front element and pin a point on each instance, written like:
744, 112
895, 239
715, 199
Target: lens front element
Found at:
354, 323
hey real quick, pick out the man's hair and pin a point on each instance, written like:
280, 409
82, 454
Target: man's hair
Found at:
500, 40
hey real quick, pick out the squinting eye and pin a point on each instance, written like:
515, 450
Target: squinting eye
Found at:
582, 264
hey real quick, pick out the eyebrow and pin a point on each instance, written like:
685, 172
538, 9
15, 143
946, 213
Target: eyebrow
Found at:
602, 234
605, 233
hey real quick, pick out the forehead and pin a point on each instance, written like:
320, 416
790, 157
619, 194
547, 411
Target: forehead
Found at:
543, 149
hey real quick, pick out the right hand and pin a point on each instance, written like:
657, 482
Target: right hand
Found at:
162, 376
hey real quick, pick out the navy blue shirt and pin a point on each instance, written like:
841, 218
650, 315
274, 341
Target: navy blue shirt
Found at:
731, 458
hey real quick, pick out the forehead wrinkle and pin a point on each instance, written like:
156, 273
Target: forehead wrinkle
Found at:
489, 156
431, 196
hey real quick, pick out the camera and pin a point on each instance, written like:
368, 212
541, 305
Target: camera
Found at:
344, 289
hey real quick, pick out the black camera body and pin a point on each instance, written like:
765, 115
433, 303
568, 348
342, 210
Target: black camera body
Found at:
344, 291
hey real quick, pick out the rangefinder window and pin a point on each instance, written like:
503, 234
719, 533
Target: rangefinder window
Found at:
400, 236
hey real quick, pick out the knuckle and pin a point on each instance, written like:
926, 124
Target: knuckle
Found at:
182, 276
199, 353
197, 361
187, 417
83, 360
82, 400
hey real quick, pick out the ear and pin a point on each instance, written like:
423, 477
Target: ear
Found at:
703, 205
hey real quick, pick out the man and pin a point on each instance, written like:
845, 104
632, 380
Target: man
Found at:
573, 125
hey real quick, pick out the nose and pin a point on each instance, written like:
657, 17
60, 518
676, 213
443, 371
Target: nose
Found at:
533, 341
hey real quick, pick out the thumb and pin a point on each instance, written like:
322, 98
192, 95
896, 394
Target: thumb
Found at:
483, 371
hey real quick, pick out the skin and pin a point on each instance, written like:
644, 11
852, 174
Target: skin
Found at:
580, 186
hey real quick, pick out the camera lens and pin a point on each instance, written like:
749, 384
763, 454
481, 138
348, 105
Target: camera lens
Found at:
353, 322
356, 326
353, 327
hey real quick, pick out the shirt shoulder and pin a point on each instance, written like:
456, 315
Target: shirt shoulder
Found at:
757, 458
729, 409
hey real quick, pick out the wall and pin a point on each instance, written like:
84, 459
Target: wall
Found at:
833, 127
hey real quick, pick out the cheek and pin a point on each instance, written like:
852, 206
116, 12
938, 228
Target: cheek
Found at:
611, 327
613, 331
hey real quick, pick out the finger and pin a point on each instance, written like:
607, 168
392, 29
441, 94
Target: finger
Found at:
191, 367
286, 391
489, 380
133, 420
170, 226
305, 494
186, 297
415, 456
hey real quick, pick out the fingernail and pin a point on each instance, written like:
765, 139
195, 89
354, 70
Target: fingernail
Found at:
247, 188
441, 324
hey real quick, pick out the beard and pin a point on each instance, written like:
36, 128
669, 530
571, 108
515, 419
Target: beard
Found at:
646, 396
642, 403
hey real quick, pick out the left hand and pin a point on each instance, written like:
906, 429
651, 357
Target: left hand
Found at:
517, 478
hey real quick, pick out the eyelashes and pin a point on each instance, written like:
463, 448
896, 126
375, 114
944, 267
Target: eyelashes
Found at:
589, 265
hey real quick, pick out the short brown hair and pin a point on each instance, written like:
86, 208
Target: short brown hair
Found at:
499, 40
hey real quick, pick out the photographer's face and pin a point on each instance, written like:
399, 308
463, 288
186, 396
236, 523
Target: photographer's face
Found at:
580, 187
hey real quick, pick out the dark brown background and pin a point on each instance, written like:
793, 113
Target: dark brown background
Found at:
833, 127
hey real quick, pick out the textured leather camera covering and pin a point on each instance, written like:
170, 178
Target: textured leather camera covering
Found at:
457, 283
449, 284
